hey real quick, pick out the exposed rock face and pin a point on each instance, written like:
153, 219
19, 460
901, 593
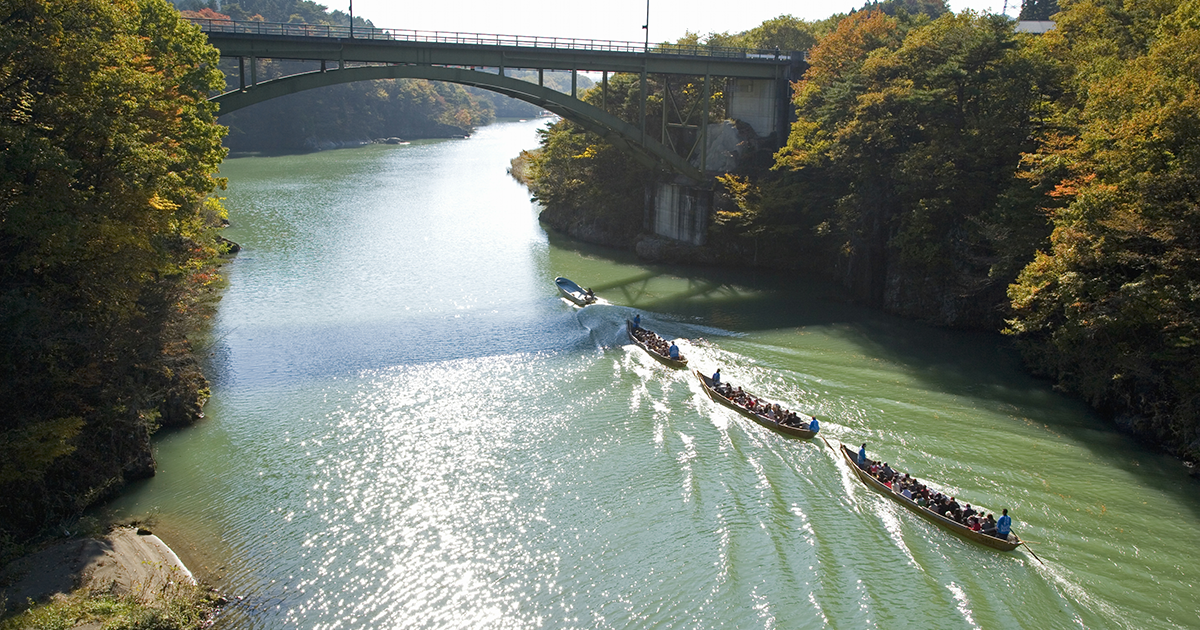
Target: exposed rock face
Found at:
729, 142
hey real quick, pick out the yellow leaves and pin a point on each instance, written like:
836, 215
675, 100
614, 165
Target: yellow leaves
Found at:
591, 152
158, 203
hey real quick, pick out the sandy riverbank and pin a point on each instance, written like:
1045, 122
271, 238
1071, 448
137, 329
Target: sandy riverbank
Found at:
123, 561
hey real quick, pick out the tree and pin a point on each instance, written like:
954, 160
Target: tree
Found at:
1110, 308
108, 150
1038, 9
889, 125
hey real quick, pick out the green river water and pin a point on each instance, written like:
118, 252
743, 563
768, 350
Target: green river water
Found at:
410, 429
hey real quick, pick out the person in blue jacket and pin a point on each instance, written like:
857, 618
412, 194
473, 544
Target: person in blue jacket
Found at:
673, 351
637, 321
814, 426
862, 455
1004, 525
717, 377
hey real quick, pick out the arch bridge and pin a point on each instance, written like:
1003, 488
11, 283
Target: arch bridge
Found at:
347, 54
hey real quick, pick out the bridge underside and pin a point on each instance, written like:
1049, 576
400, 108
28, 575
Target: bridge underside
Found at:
623, 135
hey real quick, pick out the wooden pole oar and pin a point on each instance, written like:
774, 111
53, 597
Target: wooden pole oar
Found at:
1030, 549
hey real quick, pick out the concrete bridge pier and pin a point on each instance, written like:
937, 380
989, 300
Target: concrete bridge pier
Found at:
678, 211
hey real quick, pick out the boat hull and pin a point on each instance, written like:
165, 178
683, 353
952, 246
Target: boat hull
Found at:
573, 292
675, 363
949, 524
766, 422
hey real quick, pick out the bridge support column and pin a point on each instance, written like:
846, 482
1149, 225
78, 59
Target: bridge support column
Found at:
645, 96
541, 77
604, 91
756, 102
253, 71
574, 78
680, 212
704, 125
241, 74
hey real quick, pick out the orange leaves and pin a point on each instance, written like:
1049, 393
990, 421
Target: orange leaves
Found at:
847, 47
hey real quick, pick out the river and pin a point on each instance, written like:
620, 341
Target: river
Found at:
409, 428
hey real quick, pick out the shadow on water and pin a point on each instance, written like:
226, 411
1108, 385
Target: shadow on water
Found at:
981, 365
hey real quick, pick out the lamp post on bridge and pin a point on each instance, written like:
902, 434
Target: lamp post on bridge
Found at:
646, 27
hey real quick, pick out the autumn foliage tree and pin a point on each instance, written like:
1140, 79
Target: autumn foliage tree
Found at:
1110, 308
108, 150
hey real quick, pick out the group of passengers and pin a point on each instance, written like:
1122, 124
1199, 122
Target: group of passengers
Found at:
770, 411
653, 341
935, 501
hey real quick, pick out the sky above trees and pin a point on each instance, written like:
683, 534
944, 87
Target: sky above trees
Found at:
620, 20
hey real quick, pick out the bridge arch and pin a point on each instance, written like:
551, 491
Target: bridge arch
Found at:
621, 134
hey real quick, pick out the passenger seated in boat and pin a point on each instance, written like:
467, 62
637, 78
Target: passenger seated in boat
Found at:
922, 501
968, 511
587, 293
973, 523
673, 351
907, 494
989, 525
887, 472
862, 456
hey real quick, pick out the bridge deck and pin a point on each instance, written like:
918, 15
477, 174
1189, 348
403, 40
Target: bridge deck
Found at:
373, 45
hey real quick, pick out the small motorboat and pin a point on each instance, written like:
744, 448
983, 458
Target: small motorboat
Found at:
577, 294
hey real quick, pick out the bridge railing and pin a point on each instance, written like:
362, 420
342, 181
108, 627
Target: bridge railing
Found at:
476, 39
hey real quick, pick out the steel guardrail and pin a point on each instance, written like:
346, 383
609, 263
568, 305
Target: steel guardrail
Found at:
477, 39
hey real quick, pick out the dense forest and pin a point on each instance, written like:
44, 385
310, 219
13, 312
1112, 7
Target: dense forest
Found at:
108, 155
946, 168
352, 113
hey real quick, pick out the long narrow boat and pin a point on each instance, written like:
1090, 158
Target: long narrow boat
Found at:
574, 292
1012, 542
681, 362
800, 432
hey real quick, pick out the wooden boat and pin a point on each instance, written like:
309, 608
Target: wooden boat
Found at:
800, 432
574, 292
954, 526
681, 362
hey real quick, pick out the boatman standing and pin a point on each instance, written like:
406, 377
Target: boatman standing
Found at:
862, 455
717, 377
814, 426
1004, 525
637, 321
673, 351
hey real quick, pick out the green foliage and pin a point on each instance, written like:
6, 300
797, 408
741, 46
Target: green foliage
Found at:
929, 8
1038, 9
108, 151
892, 118
1111, 309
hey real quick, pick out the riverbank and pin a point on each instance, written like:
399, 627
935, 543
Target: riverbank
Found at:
127, 574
